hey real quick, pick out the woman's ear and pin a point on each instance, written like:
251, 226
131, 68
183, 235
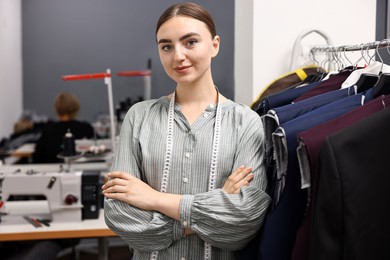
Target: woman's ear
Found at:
216, 42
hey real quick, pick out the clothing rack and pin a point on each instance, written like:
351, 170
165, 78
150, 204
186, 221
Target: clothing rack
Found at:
385, 43
334, 59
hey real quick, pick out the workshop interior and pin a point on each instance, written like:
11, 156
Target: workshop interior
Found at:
104, 53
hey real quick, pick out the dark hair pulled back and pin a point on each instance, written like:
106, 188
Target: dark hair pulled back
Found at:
191, 10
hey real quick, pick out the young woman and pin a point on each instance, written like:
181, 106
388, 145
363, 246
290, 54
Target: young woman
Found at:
188, 179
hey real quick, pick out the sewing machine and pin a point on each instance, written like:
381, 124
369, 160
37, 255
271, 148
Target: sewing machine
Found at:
70, 196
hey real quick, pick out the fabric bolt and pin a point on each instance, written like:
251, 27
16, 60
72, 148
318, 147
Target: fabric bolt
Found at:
351, 203
212, 215
310, 142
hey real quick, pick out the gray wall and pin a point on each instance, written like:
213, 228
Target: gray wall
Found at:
88, 36
381, 27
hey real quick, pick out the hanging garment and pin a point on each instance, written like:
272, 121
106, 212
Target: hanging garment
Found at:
286, 81
277, 237
333, 83
280, 115
283, 98
281, 224
288, 112
291, 95
375, 68
351, 204
308, 149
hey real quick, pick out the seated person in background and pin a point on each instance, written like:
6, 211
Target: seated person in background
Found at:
51, 141
24, 124
25, 131
48, 146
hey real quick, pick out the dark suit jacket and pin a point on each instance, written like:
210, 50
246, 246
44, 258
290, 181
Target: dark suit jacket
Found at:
313, 139
351, 207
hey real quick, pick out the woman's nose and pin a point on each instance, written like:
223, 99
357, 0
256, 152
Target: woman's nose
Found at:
179, 53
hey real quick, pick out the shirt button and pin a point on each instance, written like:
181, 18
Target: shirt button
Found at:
212, 105
185, 180
185, 223
187, 155
205, 115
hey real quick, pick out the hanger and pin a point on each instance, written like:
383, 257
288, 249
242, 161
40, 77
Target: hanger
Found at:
371, 58
321, 72
362, 57
340, 58
333, 61
382, 87
351, 66
366, 80
345, 55
379, 54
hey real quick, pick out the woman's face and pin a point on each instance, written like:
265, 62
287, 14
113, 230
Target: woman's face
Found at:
186, 48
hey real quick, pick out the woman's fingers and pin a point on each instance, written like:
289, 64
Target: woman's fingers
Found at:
244, 181
115, 188
239, 178
240, 174
116, 182
121, 175
236, 172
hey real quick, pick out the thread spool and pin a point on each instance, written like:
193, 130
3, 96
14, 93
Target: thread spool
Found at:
69, 145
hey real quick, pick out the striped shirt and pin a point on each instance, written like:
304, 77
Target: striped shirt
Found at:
226, 221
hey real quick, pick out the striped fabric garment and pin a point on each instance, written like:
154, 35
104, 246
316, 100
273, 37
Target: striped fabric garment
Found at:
226, 221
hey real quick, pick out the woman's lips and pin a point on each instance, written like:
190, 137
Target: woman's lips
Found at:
182, 69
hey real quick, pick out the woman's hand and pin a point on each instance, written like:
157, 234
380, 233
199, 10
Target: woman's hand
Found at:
127, 188
238, 179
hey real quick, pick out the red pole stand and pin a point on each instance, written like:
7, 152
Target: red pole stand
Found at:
107, 80
146, 74
134, 73
87, 76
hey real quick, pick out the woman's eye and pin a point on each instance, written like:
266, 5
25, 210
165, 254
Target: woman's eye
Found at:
166, 48
191, 42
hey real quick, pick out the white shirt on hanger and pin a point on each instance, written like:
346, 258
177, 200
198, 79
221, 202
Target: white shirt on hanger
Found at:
373, 68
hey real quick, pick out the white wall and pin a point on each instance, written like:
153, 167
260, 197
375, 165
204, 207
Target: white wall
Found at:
10, 65
276, 24
243, 50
